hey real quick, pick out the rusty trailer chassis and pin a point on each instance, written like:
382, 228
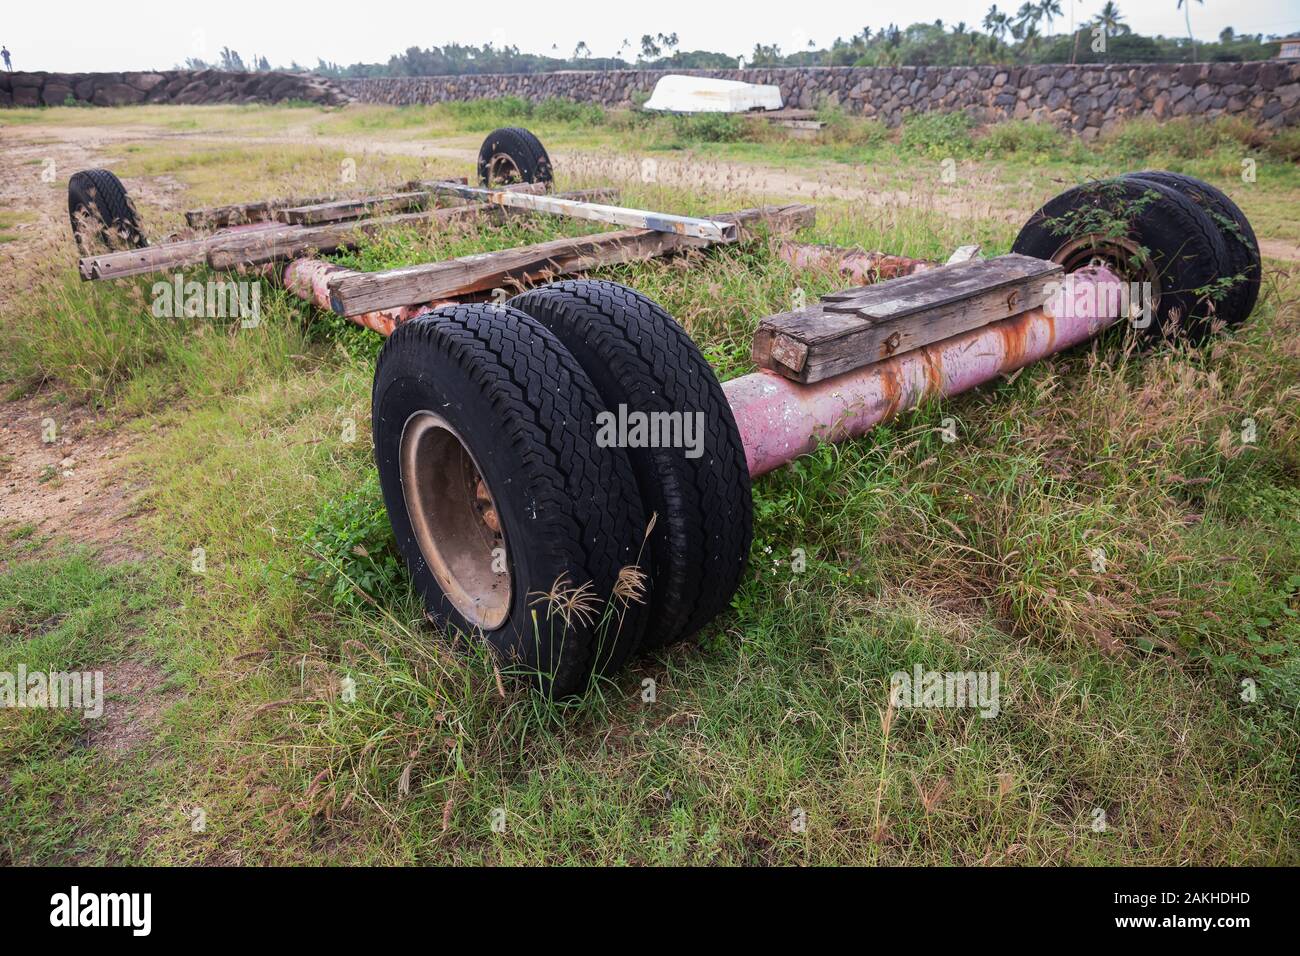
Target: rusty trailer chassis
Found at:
826, 373
464, 506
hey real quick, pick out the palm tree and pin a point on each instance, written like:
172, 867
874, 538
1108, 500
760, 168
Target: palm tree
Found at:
1186, 7
1030, 43
996, 22
1109, 19
1028, 15
1048, 9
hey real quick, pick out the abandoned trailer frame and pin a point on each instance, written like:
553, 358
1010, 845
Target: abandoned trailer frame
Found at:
518, 519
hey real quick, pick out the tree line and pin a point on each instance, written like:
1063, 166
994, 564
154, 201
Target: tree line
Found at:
1025, 36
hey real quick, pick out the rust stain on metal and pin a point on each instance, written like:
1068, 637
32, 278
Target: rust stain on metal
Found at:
1051, 329
934, 378
891, 386
1013, 336
779, 419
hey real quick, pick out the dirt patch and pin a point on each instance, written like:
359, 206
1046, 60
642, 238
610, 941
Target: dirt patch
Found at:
133, 702
1279, 249
742, 179
60, 473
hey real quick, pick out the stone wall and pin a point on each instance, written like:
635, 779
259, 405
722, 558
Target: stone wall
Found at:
1084, 98
171, 86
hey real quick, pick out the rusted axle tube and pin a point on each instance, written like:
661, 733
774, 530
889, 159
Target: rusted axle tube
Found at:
779, 420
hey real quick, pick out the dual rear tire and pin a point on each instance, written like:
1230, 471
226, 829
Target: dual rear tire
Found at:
1184, 239
526, 515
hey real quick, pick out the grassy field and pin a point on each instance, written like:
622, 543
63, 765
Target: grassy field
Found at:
1149, 710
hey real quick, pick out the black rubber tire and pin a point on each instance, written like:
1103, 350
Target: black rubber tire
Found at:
527, 411
102, 213
1243, 247
1185, 248
640, 358
523, 148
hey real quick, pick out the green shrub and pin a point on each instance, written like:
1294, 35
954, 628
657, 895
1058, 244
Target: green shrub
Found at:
567, 111
350, 546
710, 127
490, 113
937, 134
1184, 137
1140, 138
1285, 144
627, 121
840, 127
1020, 136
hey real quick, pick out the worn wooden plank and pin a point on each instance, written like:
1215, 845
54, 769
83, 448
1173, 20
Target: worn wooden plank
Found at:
326, 212
367, 292
257, 249
838, 335
262, 210
929, 289
692, 226
270, 241
160, 258
242, 213
364, 207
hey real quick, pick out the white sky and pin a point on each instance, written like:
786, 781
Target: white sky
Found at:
78, 35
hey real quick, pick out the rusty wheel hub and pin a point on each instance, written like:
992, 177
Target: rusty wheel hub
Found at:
455, 520
1124, 257
503, 170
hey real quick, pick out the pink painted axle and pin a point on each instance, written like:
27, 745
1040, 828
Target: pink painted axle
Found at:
779, 420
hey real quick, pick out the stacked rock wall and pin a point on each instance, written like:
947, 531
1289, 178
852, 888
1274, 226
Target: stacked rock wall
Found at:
1083, 98
172, 86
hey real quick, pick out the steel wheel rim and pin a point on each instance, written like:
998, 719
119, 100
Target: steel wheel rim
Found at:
1121, 255
504, 170
455, 520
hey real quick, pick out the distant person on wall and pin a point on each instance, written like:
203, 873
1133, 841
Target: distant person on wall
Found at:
4, 52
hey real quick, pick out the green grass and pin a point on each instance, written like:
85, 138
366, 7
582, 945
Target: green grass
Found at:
1122, 688
8, 220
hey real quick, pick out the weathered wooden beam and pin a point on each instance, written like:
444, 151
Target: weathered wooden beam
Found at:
267, 241
367, 292
263, 210
168, 255
294, 241
257, 249
856, 327
242, 213
711, 229
926, 291
318, 213
364, 207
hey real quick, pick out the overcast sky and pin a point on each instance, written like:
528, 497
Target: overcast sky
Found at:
77, 35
